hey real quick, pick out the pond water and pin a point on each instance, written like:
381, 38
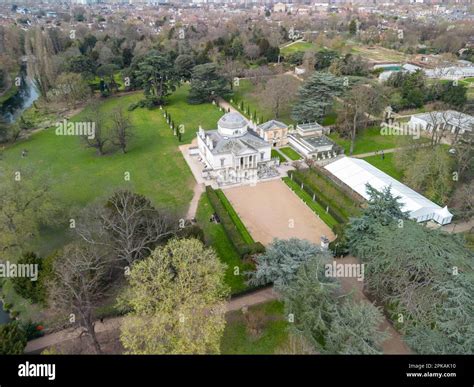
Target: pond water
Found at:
4, 316
14, 107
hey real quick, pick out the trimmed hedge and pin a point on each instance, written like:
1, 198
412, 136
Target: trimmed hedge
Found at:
235, 217
314, 205
337, 211
242, 247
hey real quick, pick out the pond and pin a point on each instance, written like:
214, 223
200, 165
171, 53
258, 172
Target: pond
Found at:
13, 108
4, 316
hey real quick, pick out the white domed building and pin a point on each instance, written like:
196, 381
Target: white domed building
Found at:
234, 153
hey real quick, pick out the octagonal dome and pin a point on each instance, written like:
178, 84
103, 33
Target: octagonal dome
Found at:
232, 124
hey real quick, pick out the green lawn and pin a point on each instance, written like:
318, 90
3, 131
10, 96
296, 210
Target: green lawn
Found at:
271, 335
329, 119
299, 46
467, 81
368, 140
290, 152
316, 207
217, 238
275, 153
156, 166
191, 116
235, 217
386, 165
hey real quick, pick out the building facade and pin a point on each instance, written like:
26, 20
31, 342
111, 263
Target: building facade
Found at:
310, 140
274, 132
449, 120
233, 153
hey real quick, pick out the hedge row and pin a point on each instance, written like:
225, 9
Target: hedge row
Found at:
338, 246
318, 197
314, 205
235, 217
242, 247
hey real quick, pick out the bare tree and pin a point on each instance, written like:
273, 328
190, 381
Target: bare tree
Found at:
464, 155
99, 138
80, 284
121, 129
361, 103
231, 69
128, 223
463, 200
258, 74
439, 123
279, 92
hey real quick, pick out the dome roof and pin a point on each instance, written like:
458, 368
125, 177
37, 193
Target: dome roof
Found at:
232, 120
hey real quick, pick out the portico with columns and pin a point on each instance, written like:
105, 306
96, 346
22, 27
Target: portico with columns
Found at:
234, 153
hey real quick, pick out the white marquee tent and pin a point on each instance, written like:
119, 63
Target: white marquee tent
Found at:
356, 173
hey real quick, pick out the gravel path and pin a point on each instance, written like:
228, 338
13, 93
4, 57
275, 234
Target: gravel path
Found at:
271, 210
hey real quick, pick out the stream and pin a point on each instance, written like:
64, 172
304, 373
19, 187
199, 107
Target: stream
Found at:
13, 108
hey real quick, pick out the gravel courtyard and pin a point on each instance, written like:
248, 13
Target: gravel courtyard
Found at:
271, 210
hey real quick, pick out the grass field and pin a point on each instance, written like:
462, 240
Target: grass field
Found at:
235, 217
316, 207
290, 152
368, 140
191, 116
268, 336
386, 165
299, 46
275, 153
217, 238
379, 54
156, 166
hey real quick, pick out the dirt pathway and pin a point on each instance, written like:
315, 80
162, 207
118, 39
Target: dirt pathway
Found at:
377, 153
37, 345
291, 43
198, 190
394, 344
459, 227
227, 106
254, 298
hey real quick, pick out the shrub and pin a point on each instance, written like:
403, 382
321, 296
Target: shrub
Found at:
235, 217
12, 339
341, 206
235, 236
193, 231
24, 286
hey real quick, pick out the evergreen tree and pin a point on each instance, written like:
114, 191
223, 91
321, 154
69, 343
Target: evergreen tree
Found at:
27, 287
330, 322
207, 84
316, 97
12, 339
157, 75
282, 259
